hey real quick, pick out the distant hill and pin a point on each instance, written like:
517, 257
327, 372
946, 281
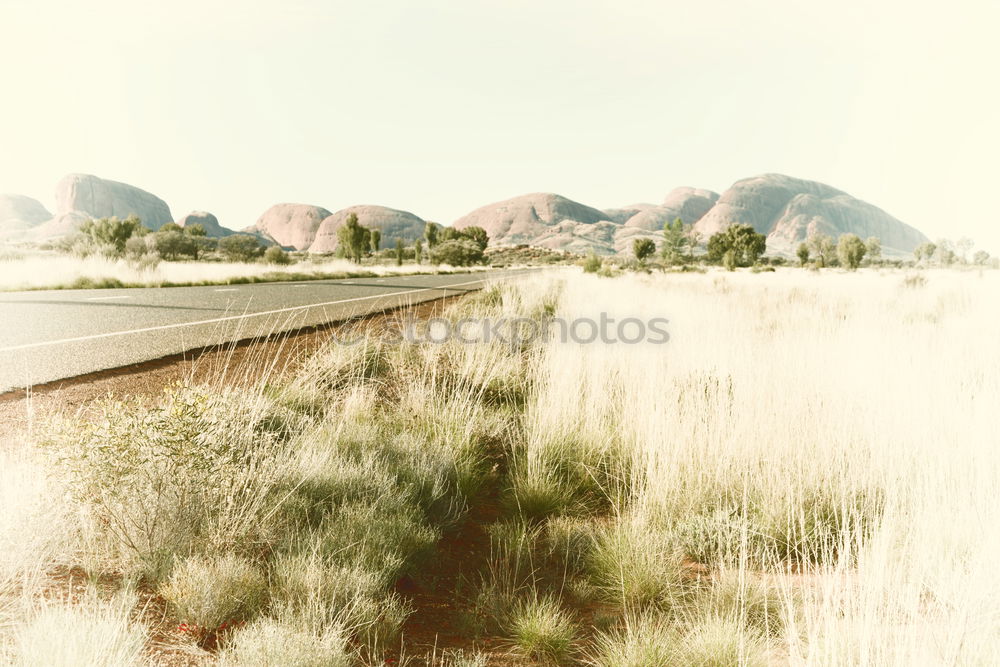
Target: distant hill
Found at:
19, 215
786, 209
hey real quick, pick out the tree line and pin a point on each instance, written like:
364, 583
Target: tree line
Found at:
742, 246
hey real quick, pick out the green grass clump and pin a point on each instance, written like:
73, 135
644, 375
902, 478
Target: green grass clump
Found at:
210, 594
640, 641
720, 642
536, 495
637, 566
540, 629
89, 631
271, 643
746, 599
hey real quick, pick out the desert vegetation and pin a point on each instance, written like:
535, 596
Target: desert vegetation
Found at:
804, 474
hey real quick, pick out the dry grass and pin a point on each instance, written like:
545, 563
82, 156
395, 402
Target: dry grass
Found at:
807, 474
60, 271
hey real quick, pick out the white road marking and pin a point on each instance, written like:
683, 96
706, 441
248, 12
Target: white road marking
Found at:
229, 318
108, 298
228, 289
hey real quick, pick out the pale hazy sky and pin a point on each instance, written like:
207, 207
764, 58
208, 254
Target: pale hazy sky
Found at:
440, 106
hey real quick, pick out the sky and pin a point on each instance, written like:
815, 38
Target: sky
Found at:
441, 106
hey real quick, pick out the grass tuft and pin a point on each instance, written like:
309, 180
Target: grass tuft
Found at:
541, 630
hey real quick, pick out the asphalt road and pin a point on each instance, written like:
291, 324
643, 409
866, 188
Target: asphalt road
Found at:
56, 334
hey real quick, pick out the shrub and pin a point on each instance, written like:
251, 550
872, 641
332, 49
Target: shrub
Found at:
271, 643
592, 263
642, 249
112, 232
541, 630
192, 474
174, 245
275, 255
240, 247
210, 594
458, 252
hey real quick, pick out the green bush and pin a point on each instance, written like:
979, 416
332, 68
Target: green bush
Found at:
539, 629
275, 255
592, 263
175, 245
458, 252
240, 247
190, 475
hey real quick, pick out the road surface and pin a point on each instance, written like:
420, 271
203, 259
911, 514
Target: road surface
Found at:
55, 334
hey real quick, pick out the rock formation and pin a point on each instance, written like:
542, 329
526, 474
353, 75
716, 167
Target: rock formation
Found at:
211, 224
788, 210
93, 197
529, 217
291, 225
19, 215
390, 222
688, 204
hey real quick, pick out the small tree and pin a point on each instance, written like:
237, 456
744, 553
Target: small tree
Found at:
873, 249
803, 253
354, 238
112, 232
240, 247
963, 246
431, 230
477, 235
174, 245
275, 255
850, 251
945, 253
376, 240
643, 248
981, 258
924, 251
197, 229
399, 252
675, 241
745, 243
418, 251
822, 247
